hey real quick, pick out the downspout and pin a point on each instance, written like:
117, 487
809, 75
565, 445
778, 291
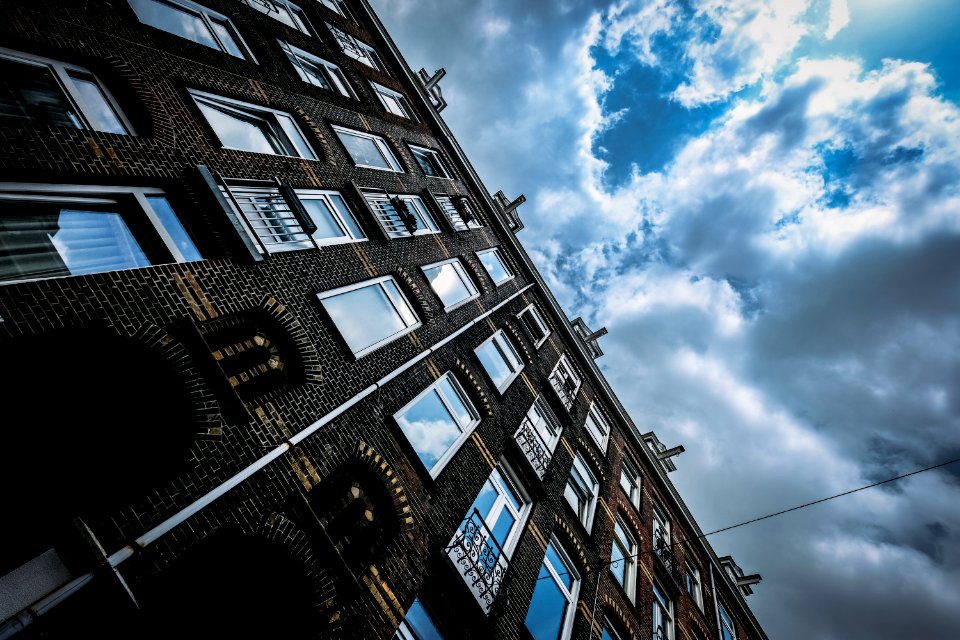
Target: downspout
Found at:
42, 606
716, 606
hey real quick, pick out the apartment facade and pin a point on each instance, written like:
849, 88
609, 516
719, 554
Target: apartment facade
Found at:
278, 365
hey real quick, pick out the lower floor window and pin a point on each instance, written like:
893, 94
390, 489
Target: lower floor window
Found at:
550, 616
662, 614
418, 625
51, 231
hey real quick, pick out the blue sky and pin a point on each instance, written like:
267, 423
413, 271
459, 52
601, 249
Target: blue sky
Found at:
759, 199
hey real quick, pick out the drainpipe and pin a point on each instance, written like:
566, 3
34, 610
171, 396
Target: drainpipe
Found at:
716, 606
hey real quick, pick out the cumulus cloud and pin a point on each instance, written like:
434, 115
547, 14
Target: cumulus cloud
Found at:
839, 18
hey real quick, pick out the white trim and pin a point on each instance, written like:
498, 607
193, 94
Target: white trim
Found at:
569, 594
538, 320
629, 547
633, 471
357, 49
441, 164
335, 76
464, 278
379, 142
557, 380
496, 252
206, 16
591, 502
378, 282
402, 103
595, 417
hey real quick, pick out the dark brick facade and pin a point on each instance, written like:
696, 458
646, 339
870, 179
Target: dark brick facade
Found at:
166, 467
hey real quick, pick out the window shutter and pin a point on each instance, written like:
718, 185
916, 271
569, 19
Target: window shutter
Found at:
210, 187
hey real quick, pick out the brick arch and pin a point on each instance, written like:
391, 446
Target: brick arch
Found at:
612, 609
598, 464
519, 340
571, 542
474, 388
309, 358
369, 456
477, 273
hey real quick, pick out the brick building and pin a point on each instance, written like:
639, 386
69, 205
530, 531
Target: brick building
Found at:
276, 364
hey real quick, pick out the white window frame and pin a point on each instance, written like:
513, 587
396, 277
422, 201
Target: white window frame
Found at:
465, 428
100, 194
531, 311
454, 217
503, 478
473, 292
439, 163
629, 548
379, 142
357, 49
595, 423
399, 106
495, 251
389, 219
501, 345
663, 613
569, 594
296, 19
660, 527
630, 475
693, 584
405, 630
545, 422
340, 7
610, 629
586, 513
378, 282
561, 372
332, 74
274, 119
728, 628
249, 201
62, 74
208, 17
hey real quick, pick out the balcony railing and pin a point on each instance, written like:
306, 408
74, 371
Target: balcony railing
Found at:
664, 552
479, 559
533, 446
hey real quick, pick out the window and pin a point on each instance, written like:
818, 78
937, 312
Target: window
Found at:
285, 11
728, 631
370, 314
661, 529
431, 162
393, 101
499, 359
418, 625
693, 585
437, 422
482, 546
544, 422
581, 491
552, 608
356, 49
451, 283
46, 92
248, 127
339, 6
538, 435
597, 426
662, 614
495, 265
623, 558
317, 71
534, 324
610, 630
49, 231
276, 224
459, 212
401, 215
630, 480
565, 382
193, 22
368, 150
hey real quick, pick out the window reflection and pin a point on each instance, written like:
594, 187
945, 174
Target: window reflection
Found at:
495, 266
451, 283
369, 315
550, 615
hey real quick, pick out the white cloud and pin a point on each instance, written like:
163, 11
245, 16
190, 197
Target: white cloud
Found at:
495, 27
839, 18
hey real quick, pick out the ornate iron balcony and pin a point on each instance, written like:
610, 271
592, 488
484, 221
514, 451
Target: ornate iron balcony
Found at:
664, 552
533, 446
479, 559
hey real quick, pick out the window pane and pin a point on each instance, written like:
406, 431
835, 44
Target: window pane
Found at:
563, 572
420, 623
176, 20
31, 92
399, 302
364, 316
325, 220
363, 150
547, 608
430, 428
618, 564
235, 132
448, 284
161, 206
485, 500
346, 216
501, 529
494, 266
293, 134
99, 111
227, 38
455, 400
494, 364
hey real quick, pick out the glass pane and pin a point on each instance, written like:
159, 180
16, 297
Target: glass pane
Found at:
31, 92
346, 216
618, 564
418, 620
455, 400
364, 316
312, 72
400, 303
323, 217
161, 206
501, 530
506, 349
420, 210
293, 134
363, 150
430, 428
494, 364
176, 20
227, 38
448, 284
237, 133
547, 608
423, 159
563, 571
491, 261
485, 500
99, 111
